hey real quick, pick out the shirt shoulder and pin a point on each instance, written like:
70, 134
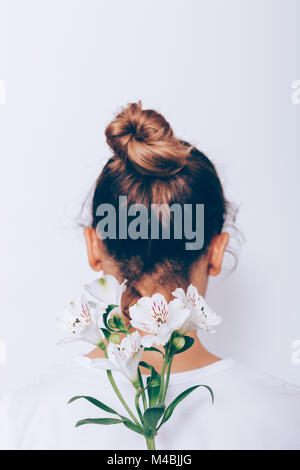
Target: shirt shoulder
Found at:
43, 400
259, 396
251, 410
261, 384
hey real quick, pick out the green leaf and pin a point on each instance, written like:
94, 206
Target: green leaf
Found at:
187, 345
106, 333
152, 416
105, 421
98, 421
133, 427
95, 402
153, 387
179, 398
211, 393
110, 308
154, 349
153, 384
148, 366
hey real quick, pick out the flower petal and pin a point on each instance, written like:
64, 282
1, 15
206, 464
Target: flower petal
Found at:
104, 363
149, 340
179, 294
141, 315
178, 313
105, 290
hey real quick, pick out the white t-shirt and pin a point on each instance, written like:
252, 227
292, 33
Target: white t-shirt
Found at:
251, 411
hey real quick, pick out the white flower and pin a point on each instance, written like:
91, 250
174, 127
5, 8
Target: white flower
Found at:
123, 357
82, 321
105, 291
202, 316
158, 318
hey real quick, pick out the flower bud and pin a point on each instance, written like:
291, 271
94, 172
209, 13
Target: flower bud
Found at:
178, 342
115, 338
115, 320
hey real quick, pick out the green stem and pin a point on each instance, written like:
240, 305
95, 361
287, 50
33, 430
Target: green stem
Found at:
162, 378
150, 443
168, 379
138, 409
143, 391
118, 393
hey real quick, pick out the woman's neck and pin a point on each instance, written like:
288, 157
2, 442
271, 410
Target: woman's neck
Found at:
194, 358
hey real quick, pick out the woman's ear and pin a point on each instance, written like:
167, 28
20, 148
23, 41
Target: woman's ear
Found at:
93, 245
216, 253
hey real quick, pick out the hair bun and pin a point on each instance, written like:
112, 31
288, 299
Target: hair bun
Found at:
146, 139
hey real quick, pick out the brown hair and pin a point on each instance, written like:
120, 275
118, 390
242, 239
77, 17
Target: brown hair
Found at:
151, 166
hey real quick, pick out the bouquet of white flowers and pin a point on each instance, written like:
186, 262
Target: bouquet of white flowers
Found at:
97, 318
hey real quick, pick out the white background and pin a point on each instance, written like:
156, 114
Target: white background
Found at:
221, 71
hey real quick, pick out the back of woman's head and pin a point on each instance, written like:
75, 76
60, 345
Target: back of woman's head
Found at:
150, 166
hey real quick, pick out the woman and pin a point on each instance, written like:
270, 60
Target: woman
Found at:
151, 166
